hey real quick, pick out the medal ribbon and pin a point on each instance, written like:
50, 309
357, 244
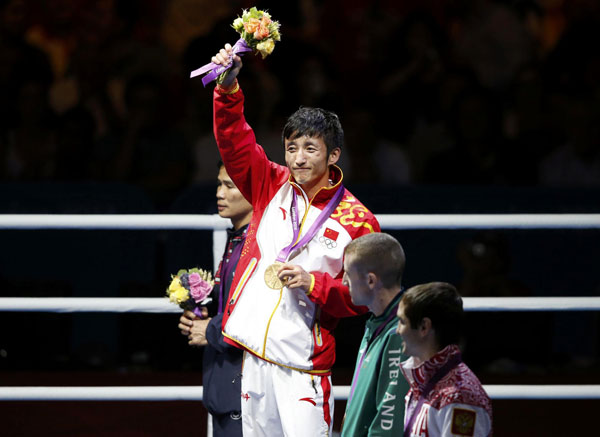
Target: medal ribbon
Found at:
227, 263
324, 215
442, 371
378, 331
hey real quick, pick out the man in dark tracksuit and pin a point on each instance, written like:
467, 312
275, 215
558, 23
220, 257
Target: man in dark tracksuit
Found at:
222, 364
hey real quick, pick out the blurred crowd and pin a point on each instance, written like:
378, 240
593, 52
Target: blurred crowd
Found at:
474, 92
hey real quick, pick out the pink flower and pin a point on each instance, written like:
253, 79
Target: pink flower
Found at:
252, 25
261, 33
199, 288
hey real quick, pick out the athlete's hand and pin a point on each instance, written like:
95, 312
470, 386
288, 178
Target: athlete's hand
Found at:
294, 276
197, 335
186, 321
222, 58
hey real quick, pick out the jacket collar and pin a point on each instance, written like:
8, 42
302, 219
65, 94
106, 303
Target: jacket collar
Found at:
325, 193
237, 233
418, 376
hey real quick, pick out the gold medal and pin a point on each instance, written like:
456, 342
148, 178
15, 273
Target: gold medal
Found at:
271, 278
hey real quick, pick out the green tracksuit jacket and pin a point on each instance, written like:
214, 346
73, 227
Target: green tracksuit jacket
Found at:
376, 402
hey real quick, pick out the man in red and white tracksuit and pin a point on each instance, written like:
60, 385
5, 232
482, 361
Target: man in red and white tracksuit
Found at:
445, 398
303, 218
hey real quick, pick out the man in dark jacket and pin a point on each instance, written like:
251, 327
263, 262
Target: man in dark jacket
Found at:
222, 364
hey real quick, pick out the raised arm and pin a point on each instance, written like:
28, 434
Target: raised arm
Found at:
245, 160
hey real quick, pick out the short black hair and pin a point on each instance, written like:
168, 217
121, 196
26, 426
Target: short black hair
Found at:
317, 123
440, 303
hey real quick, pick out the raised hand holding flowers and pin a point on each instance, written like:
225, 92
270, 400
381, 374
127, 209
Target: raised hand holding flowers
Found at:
190, 289
258, 33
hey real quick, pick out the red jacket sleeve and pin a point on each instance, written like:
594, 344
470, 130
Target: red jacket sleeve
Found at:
256, 177
328, 292
333, 296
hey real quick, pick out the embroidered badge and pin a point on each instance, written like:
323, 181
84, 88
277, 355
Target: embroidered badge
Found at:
463, 422
331, 234
329, 238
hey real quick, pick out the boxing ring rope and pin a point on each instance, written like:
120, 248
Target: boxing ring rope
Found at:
194, 393
387, 221
218, 225
162, 305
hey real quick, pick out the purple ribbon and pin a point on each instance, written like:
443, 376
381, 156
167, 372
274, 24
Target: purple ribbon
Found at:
198, 312
442, 371
378, 331
324, 215
239, 48
226, 268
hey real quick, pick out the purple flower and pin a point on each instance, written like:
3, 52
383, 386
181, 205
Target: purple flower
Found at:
199, 288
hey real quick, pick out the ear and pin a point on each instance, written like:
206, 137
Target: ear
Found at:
334, 155
425, 327
371, 280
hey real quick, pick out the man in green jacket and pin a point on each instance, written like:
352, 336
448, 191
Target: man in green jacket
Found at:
373, 268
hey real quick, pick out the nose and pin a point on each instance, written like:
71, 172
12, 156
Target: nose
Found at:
300, 158
345, 280
220, 192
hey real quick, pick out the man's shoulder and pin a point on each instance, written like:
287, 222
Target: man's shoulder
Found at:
461, 387
354, 215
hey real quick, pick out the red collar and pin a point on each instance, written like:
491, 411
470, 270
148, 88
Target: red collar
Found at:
418, 376
325, 193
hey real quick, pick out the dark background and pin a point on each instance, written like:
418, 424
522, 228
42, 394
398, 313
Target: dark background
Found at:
448, 106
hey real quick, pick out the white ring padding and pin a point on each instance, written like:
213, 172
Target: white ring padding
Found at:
194, 393
543, 391
113, 221
387, 221
518, 391
591, 303
162, 305
108, 393
89, 304
488, 221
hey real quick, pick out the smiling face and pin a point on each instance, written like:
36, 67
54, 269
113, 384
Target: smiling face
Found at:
308, 161
230, 202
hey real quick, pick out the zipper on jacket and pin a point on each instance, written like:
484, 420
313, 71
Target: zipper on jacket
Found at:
264, 351
243, 280
307, 206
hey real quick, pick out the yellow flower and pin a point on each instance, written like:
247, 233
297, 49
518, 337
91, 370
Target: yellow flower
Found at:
175, 284
179, 295
266, 47
275, 33
238, 24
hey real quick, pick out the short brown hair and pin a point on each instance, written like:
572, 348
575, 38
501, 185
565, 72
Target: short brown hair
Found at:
379, 253
441, 303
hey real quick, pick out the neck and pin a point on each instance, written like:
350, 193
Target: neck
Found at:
239, 222
385, 296
312, 189
427, 351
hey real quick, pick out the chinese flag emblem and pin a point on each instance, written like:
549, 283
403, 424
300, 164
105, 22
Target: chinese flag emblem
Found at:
463, 422
331, 234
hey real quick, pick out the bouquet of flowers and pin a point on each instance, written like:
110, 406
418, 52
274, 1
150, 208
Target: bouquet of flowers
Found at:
258, 33
190, 289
